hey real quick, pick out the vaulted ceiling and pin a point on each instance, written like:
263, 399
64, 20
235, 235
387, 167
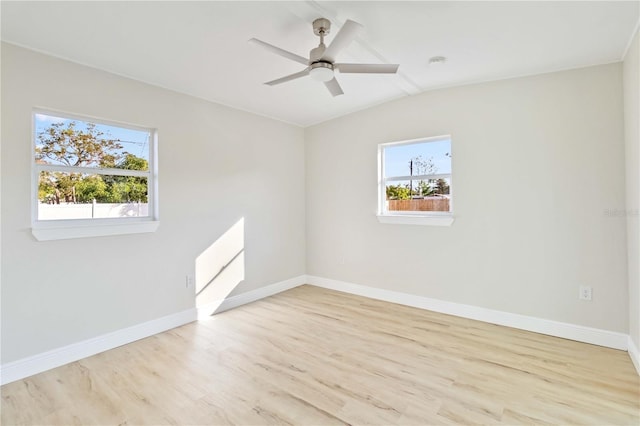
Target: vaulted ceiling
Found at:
201, 49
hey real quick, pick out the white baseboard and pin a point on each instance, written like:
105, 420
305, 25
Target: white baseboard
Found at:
218, 306
610, 339
26, 367
634, 354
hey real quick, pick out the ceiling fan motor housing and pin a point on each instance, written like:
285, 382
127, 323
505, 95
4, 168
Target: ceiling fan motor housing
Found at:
321, 26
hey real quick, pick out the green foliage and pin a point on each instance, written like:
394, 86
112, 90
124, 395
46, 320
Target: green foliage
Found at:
421, 188
398, 192
90, 188
126, 189
46, 186
73, 147
87, 148
424, 188
442, 187
131, 162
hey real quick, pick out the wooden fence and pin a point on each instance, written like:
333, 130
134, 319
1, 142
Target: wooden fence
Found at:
435, 204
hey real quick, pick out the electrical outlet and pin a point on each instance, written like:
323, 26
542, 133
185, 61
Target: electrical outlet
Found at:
188, 281
585, 292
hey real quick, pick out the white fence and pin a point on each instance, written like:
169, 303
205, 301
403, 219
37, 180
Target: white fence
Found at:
88, 211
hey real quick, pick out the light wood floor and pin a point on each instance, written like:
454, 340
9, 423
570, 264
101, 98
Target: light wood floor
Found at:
314, 356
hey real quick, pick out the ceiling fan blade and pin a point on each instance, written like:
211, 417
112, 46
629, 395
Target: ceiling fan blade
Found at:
334, 87
367, 68
345, 36
281, 52
288, 77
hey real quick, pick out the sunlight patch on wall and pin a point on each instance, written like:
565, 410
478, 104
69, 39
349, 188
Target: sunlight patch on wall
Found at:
219, 269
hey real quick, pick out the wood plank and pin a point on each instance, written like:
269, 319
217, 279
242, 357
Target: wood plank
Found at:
316, 356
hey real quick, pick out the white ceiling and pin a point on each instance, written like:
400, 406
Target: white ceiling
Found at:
200, 48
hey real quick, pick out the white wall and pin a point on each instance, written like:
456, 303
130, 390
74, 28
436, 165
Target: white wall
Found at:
631, 74
225, 164
537, 164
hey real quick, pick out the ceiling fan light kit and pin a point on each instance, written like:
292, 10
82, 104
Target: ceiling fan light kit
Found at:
321, 64
321, 71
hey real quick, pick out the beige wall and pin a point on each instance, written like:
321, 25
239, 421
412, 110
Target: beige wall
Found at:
631, 73
223, 163
537, 164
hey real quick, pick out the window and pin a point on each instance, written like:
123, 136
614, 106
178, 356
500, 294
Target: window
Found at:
92, 178
415, 182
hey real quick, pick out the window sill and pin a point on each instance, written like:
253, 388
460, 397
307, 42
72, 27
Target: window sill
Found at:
434, 220
68, 231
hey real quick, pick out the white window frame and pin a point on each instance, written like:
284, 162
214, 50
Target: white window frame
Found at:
45, 230
410, 217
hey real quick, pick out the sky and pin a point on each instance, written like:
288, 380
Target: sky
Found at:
133, 141
397, 157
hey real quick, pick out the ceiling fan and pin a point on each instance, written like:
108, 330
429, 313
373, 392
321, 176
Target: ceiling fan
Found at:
321, 64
